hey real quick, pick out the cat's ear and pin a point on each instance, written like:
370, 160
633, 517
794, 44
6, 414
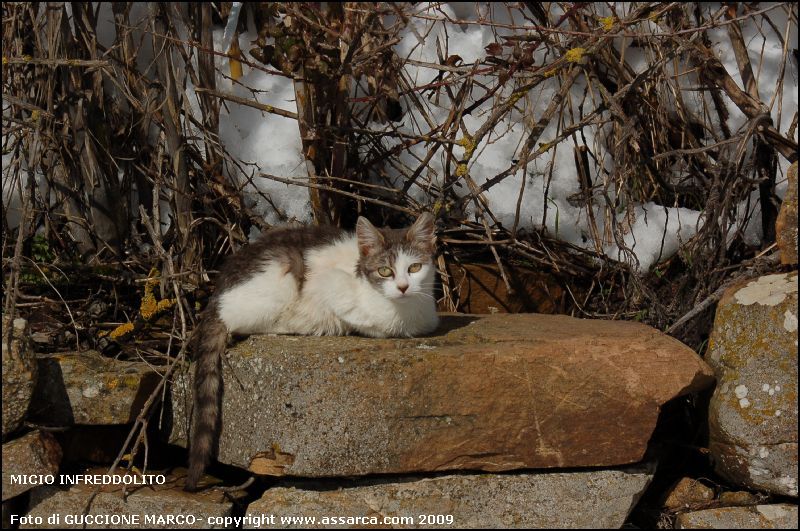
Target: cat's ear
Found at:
422, 232
369, 238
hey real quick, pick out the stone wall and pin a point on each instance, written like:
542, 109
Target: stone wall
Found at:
501, 420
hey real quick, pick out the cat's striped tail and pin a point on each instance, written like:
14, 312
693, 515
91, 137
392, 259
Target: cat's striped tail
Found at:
209, 346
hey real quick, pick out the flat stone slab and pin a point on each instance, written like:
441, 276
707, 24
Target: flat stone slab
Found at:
88, 388
153, 506
776, 516
595, 499
491, 393
35, 453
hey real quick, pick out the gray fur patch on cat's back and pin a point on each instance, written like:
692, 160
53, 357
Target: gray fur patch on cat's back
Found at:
285, 245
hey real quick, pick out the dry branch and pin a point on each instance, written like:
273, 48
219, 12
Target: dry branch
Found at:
119, 166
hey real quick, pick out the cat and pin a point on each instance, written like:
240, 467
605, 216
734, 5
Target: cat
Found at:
311, 281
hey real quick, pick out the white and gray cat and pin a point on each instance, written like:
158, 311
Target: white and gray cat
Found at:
311, 281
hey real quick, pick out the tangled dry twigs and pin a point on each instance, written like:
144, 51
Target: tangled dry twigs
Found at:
114, 156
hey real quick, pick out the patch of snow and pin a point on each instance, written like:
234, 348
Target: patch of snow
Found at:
270, 144
656, 233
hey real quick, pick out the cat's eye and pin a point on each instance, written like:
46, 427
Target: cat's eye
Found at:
413, 268
385, 271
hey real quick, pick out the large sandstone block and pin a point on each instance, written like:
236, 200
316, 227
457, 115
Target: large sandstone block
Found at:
753, 413
19, 373
35, 453
786, 224
492, 393
597, 499
87, 388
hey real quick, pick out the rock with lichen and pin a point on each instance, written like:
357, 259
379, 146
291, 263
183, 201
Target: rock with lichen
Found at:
158, 503
88, 388
688, 493
774, 516
34, 454
19, 373
753, 412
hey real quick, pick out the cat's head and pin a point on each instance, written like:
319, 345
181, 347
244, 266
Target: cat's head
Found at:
397, 262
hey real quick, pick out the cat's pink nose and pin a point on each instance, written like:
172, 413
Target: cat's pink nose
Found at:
402, 288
